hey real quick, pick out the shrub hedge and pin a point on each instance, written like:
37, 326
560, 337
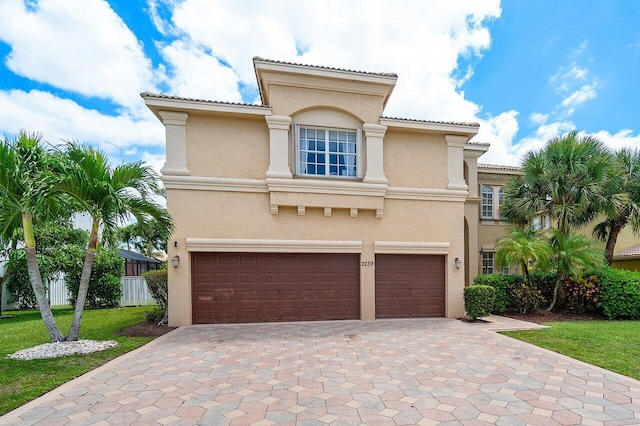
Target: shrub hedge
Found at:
478, 300
619, 293
502, 285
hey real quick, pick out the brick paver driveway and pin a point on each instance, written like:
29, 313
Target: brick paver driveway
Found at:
387, 372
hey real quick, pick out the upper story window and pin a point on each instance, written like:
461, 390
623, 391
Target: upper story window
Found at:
487, 202
328, 152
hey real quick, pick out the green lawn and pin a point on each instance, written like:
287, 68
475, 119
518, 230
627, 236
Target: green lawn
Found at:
22, 381
614, 345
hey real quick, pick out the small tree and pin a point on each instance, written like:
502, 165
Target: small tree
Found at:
523, 246
572, 254
109, 195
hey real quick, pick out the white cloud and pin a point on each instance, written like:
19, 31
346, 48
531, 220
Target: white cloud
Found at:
421, 41
623, 138
580, 96
78, 45
538, 118
197, 74
58, 119
500, 132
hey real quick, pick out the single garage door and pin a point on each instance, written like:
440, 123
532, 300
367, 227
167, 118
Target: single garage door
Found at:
264, 287
409, 286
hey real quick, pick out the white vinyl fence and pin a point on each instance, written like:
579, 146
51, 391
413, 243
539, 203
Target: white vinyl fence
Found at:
134, 293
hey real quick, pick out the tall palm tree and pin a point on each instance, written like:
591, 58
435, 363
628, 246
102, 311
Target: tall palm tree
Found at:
523, 246
26, 194
572, 254
571, 180
628, 179
110, 196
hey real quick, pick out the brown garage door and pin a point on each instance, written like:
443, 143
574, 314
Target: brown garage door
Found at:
409, 286
261, 287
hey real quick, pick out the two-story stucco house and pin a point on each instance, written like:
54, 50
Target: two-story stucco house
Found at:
314, 205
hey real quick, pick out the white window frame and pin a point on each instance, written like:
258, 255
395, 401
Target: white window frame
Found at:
296, 150
488, 262
486, 204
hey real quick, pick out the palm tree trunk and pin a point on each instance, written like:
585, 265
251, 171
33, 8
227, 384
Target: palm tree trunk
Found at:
555, 293
36, 280
616, 227
74, 331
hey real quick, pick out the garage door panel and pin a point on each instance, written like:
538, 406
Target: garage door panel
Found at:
256, 287
409, 286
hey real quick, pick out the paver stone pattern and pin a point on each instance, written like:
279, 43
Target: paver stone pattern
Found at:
386, 372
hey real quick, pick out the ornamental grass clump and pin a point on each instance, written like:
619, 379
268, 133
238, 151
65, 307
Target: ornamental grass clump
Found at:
478, 301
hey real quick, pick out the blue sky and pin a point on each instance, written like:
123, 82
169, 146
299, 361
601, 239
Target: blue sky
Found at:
526, 71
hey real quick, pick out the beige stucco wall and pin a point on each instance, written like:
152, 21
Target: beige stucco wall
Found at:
287, 100
227, 146
415, 159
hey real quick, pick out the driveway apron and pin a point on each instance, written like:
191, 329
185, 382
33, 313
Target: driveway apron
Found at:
385, 372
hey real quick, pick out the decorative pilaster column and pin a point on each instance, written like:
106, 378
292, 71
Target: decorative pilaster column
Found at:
455, 162
176, 142
374, 137
278, 146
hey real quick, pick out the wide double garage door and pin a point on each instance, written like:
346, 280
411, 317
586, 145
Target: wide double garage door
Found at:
266, 287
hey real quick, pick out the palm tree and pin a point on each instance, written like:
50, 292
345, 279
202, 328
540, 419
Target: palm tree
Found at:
522, 246
25, 191
128, 235
571, 180
110, 196
572, 254
628, 180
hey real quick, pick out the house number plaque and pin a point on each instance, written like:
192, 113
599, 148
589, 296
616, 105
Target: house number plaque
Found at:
366, 263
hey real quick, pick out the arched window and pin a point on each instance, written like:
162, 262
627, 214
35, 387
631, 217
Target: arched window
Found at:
487, 203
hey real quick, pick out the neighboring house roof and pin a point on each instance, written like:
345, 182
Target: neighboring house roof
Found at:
632, 252
132, 255
271, 61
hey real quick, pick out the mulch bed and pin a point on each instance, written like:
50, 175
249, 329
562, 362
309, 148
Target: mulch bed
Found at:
145, 329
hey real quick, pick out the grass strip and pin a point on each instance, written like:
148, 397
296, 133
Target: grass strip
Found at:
614, 345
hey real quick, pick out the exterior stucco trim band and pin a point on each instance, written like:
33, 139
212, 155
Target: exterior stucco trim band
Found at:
411, 247
272, 246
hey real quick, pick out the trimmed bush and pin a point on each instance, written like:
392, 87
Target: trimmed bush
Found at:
619, 293
502, 285
478, 300
527, 298
157, 283
105, 288
582, 295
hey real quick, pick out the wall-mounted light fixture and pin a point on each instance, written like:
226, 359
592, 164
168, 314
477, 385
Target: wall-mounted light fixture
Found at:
458, 263
175, 244
175, 261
